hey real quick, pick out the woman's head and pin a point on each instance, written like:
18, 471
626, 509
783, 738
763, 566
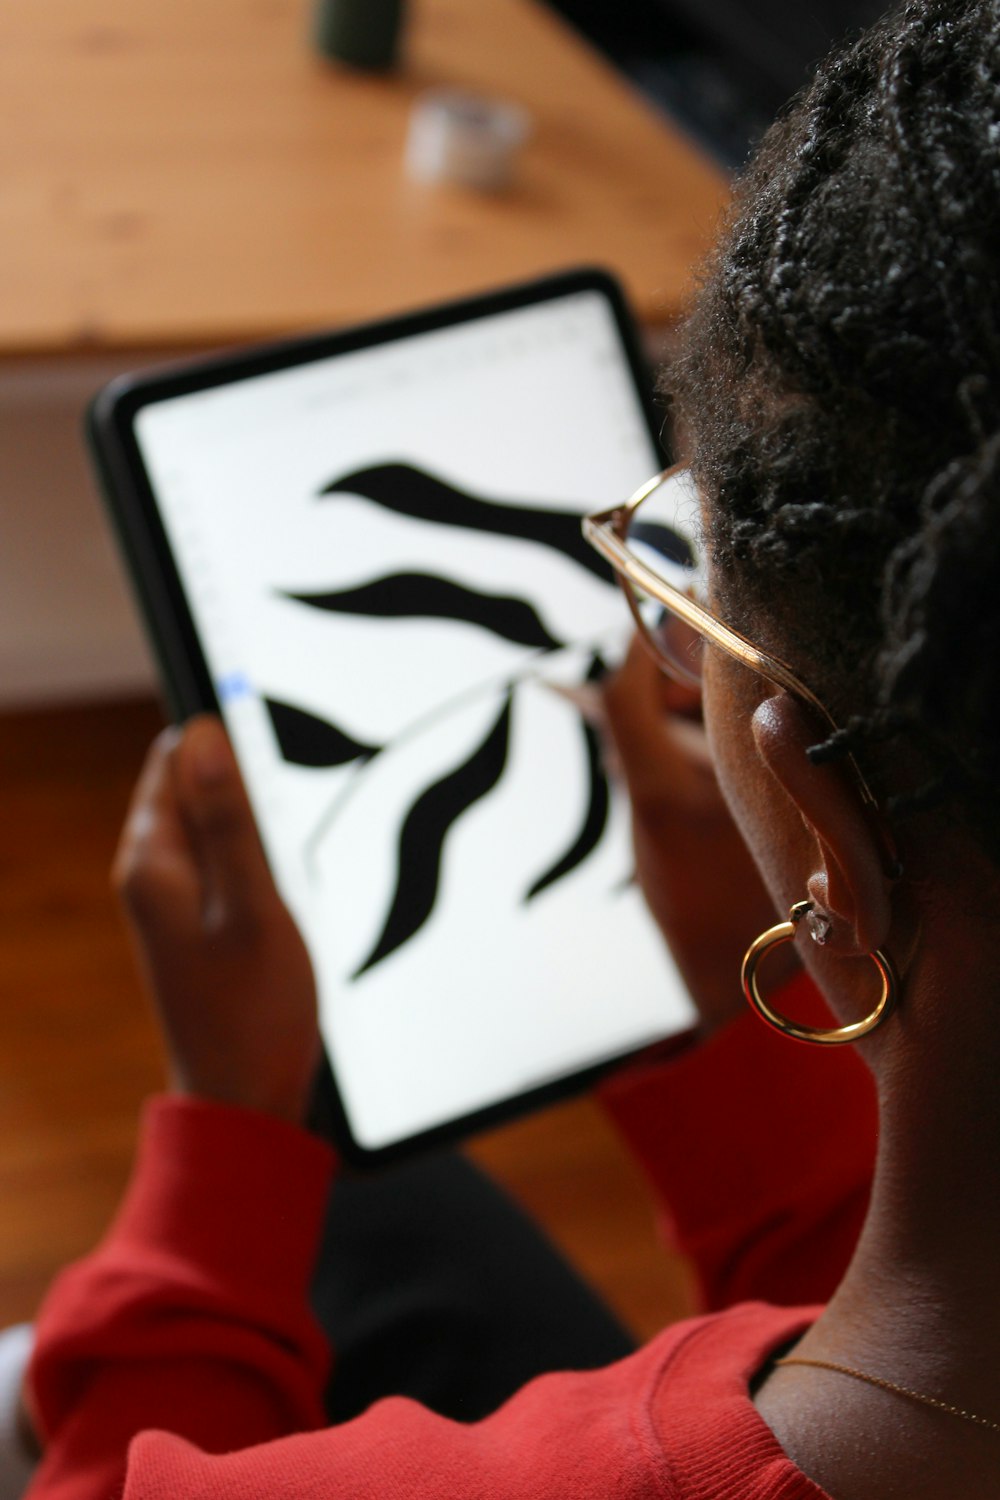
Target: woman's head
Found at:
839, 388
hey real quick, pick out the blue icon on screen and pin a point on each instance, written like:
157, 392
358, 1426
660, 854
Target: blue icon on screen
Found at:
233, 686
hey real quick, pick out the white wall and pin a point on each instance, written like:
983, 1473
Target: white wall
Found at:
68, 629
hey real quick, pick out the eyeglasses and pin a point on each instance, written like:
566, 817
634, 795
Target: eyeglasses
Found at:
651, 542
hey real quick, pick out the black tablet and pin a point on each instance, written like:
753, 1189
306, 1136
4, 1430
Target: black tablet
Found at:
363, 549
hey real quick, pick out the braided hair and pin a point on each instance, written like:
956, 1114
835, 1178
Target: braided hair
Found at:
839, 379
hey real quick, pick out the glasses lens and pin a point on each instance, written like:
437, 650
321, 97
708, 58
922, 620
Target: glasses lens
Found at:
663, 536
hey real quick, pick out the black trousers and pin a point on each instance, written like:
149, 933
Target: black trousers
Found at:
431, 1283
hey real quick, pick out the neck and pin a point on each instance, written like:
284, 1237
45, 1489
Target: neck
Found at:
920, 1303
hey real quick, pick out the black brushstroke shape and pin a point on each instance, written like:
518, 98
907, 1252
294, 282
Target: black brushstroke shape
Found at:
596, 817
663, 539
422, 836
305, 740
412, 492
423, 594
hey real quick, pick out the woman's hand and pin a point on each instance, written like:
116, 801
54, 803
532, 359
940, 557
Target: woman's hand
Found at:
698, 878
228, 971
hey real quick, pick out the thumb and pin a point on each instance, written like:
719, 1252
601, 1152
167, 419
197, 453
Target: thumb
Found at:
220, 822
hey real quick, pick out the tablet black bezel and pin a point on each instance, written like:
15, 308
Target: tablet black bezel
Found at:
166, 614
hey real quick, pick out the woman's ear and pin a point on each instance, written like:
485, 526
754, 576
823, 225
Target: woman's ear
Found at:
848, 884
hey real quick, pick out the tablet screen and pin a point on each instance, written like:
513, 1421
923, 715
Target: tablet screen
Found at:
381, 554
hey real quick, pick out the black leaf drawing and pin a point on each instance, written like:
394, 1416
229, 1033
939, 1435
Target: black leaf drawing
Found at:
306, 740
598, 804
594, 822
410, 491
424, 830
664, 540
422, 594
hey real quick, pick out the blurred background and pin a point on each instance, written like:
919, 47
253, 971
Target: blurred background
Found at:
175, 178
723, 68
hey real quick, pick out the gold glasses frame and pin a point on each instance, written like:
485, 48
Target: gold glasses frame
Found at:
607, 531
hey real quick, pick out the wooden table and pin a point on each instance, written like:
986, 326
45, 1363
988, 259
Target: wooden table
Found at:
186, 174
191, 173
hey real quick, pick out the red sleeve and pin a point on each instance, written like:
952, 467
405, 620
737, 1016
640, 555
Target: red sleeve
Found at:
760, 1150
193, 1313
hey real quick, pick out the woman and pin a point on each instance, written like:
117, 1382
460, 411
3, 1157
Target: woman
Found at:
838, 401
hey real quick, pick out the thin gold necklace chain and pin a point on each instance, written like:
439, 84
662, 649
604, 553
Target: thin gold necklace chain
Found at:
900, 1390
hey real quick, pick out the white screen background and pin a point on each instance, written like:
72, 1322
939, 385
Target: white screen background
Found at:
492, 994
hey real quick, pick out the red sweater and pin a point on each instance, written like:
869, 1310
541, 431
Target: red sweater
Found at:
186, 1342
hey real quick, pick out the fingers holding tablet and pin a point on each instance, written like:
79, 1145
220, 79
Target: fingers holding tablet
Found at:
228, 972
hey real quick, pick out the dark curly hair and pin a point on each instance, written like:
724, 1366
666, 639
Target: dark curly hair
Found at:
839, 382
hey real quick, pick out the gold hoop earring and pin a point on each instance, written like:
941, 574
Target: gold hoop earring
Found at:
836, 1036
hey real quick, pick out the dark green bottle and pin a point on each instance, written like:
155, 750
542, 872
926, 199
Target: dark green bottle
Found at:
361, 33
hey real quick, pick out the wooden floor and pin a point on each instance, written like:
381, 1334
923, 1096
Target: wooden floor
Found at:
78, 1051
